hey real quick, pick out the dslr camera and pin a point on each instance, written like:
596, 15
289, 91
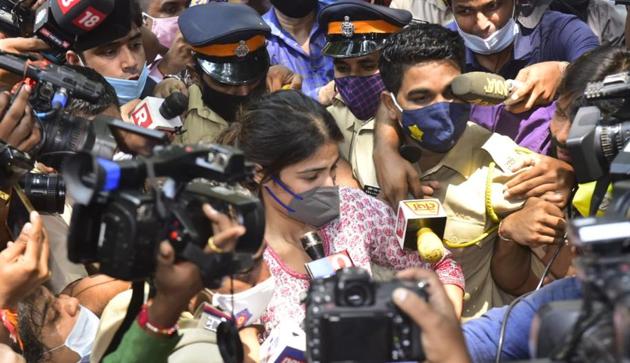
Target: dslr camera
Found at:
349, 317
118, 221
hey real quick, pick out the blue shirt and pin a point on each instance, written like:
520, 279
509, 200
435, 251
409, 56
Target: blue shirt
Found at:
482, 334
315, 68
558, 37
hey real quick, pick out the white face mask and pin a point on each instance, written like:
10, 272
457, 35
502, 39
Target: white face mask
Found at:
82, 335
496, 42
249, 305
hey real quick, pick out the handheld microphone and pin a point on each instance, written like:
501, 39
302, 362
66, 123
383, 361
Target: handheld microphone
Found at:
420, 226
481, 88
286, 343
322, 266
312, 244
160, 113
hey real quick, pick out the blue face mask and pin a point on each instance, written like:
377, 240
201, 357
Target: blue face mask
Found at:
127, 89
436, 127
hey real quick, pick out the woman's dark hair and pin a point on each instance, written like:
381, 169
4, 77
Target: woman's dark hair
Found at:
281, 129
592, 66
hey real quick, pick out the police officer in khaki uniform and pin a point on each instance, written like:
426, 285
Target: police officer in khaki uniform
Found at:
231, 60
356, 31
470, 164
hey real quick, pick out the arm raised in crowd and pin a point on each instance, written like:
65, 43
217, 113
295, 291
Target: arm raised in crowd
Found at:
176, 284
279, 77
18, 45
538, 223
548, 178
396, 176
541, 80
442, 339
24, 263
18, 127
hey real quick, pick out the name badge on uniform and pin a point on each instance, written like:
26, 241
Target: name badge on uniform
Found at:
371, 191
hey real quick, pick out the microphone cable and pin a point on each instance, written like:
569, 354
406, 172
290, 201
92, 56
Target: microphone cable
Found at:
510, 307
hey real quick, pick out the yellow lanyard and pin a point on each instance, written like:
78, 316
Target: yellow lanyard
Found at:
490, 213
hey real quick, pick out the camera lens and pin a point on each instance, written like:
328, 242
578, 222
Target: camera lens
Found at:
356, 295
66, 134
47, 193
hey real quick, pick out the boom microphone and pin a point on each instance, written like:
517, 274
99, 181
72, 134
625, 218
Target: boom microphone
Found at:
481, 88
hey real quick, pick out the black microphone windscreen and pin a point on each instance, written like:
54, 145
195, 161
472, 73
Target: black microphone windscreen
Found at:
312, 244
480, 88
174, 105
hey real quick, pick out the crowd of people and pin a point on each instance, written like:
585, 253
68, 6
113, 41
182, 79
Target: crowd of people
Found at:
345, 109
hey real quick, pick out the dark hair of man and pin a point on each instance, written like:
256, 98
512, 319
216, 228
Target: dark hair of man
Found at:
83, 108
281, 129
415, 44
30, 325
592, 66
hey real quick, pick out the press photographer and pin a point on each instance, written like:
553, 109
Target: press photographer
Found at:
484, 336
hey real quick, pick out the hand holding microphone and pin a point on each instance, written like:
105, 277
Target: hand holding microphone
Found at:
161, 114
481, 88
420, 226
322, 266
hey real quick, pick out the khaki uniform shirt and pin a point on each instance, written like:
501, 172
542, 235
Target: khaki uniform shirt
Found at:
431, 11
462, 175
201, 123
358, 143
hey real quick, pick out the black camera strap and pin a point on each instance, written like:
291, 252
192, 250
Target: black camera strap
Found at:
598, 194
135, 305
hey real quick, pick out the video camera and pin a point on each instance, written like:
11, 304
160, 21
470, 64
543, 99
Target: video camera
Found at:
119, 223
596, 328
598, 140
351, 318
62, 134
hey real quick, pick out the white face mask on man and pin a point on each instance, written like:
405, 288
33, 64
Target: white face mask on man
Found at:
249, 305
82, 335
496, 42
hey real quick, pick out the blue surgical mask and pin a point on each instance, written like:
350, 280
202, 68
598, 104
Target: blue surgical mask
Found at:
128, 89
436, 127
496, 42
